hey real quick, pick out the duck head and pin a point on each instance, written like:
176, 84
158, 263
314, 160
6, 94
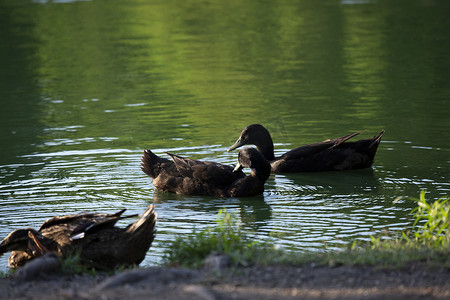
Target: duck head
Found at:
257, 135
253, 159
16, 240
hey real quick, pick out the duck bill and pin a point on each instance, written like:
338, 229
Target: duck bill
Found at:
237, 168
238, 144
3, 247
36, 246
6, 246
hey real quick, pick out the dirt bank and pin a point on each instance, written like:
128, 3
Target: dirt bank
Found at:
415, 281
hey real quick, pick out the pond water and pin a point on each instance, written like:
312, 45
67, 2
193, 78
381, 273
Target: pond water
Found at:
85, 86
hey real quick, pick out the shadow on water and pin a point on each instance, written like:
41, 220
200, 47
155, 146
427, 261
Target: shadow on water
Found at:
255, 212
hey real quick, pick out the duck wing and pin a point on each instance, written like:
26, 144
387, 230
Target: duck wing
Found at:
206, 171
316, 148
58, 220
77, 218
337, 154
61, 228
183, 165
221, 175
95, 225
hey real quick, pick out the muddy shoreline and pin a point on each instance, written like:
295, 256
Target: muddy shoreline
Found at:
414, 281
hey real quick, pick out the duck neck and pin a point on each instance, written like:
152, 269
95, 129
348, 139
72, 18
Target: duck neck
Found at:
262, 172
266, 149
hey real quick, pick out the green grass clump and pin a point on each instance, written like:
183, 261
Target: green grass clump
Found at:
226, 237
71, 265
435, 230
5, 274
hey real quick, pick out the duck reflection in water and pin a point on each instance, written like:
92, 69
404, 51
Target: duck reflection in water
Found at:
203, 178
253, 212
329, 155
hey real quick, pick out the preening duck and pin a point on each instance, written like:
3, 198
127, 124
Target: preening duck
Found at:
94, 236
329, 155
203, 178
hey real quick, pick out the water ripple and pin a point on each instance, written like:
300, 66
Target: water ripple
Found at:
299, 211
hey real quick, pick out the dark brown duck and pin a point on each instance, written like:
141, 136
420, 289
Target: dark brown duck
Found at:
329, 155
94, 236
202, 178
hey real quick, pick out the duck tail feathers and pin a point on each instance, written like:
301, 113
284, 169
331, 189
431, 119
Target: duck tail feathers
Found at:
343, 139
376, 140
119, 213
147, 222
150, 163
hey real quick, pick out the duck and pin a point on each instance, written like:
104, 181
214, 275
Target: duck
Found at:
93, 236
205, 178
330, 155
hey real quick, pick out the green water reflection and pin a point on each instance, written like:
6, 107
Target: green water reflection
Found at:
86, 85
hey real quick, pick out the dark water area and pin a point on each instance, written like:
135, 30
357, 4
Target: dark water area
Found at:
85, 86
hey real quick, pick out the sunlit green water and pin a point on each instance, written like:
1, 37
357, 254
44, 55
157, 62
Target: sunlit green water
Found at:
86, 85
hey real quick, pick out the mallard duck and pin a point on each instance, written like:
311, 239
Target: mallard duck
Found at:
94, 236
329, 155
203, 178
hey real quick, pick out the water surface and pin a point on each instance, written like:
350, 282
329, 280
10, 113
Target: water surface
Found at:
86, 85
